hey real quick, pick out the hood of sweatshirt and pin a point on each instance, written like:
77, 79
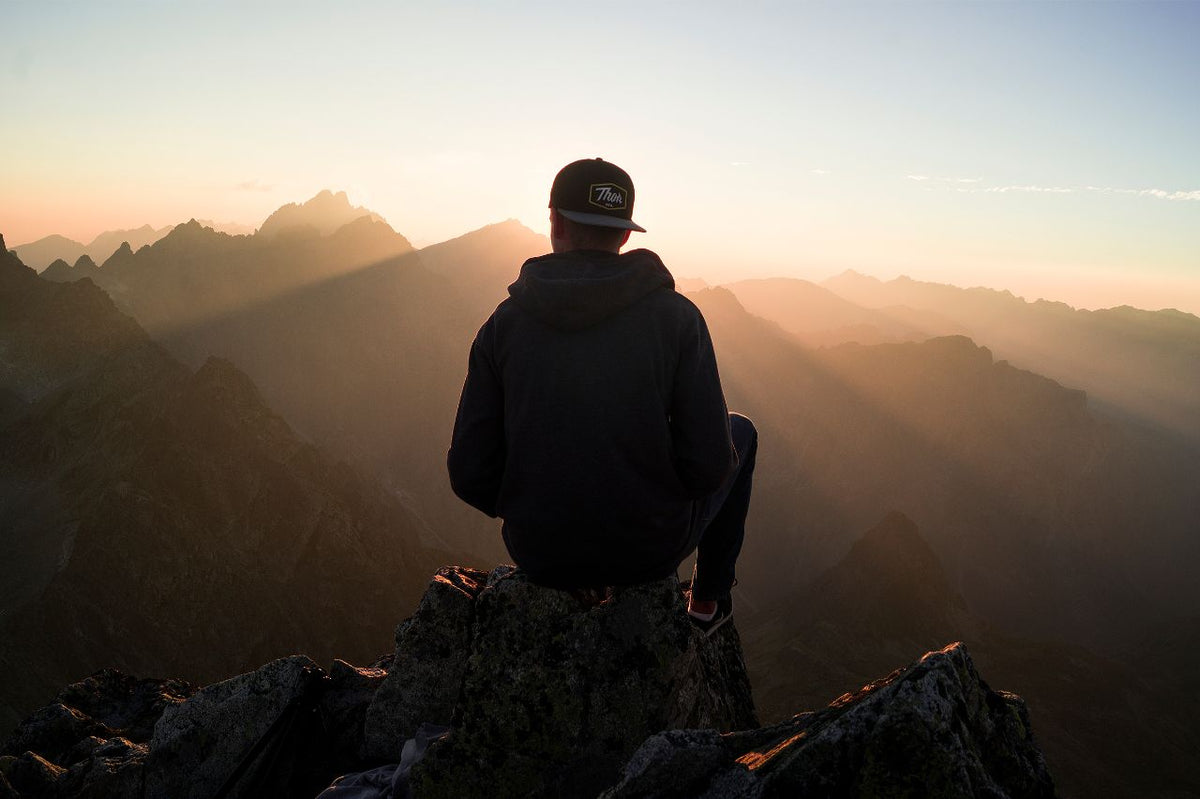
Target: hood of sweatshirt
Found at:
577, 289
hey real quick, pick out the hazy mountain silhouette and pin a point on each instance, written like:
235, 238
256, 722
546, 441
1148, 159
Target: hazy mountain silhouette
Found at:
370, 362
819, 317
1049, 520
889, 596
1144, 364
43, 252
1001, 467
40, 253
62, 272
194, 274
326, 212
165, 521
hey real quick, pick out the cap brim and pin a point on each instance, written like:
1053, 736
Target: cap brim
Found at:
602, 220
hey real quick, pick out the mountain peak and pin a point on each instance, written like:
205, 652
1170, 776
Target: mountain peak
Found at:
59, 272
325, 211
891, 577
85, 262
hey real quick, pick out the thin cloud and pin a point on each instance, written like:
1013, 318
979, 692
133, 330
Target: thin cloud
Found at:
1157, 193
1033, 189
967, 185
923, 178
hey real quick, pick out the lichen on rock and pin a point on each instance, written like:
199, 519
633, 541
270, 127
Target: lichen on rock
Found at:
934, 730
558, 692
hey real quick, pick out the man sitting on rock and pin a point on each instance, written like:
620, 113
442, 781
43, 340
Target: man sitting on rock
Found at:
592, 418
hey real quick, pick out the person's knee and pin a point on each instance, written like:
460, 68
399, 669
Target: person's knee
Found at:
742, 430
745, 437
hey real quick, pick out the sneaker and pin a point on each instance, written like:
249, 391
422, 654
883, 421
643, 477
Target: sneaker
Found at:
723, 614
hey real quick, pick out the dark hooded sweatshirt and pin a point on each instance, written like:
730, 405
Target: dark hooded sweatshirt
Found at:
591, 419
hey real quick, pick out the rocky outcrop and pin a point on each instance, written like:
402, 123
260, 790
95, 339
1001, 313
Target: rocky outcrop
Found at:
546, 693
557, 691
91, 741
199, 745
932, 730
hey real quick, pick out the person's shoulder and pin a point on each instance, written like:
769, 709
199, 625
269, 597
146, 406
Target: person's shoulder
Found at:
669, 298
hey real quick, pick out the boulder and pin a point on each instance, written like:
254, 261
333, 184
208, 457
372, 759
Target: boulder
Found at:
219, 734
558, 688
90, 741
934, 730
343, 709
430, 664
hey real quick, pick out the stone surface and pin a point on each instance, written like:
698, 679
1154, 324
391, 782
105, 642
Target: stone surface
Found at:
197, 745
559, 692
343, 709
549, 693
430, 664
932, 730
53, 731
123, 703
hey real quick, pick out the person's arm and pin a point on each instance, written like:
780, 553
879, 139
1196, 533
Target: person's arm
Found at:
704, 454
477, 448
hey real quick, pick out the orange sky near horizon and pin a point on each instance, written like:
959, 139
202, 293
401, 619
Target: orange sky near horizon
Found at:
1038, 148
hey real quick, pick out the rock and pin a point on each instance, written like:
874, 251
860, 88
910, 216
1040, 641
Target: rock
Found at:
115, 768
199, 744
430, 664
86, 714
558, 692
344, 706
53, 731
932, 730
32, 775
123, 703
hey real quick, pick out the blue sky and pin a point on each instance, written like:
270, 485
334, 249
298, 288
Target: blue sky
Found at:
1046, 148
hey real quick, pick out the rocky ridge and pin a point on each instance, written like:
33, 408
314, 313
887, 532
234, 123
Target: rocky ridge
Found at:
544, 693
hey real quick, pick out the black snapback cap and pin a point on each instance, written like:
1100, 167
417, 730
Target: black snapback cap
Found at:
594, 192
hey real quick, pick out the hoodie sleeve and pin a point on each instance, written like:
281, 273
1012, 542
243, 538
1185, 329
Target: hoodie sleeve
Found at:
704, 453
477, 448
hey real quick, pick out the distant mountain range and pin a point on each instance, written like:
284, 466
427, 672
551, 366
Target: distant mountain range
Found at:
1144, 365
45, 251
1051, 515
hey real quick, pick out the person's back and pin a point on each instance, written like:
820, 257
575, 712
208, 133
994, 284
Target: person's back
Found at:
592, 418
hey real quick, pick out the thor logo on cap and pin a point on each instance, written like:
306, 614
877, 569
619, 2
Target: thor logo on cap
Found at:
609, 196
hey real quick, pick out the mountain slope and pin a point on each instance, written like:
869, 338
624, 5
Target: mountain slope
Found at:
818, 317
889, 596
1142, 364
165, 521
1048, 519
370, 362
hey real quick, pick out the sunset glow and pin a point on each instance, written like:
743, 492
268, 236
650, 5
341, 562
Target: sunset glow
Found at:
1047, 149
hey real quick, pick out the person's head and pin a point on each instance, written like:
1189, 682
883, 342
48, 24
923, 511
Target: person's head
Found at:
591, 207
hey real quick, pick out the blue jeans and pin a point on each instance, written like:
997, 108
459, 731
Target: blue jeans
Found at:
719, 520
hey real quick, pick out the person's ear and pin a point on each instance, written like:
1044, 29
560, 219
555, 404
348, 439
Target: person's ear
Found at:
625, 238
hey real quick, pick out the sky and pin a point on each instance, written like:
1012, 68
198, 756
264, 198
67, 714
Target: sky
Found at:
1046, 148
